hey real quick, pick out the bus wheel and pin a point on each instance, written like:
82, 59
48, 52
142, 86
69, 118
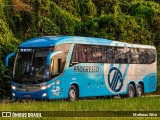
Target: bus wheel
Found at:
139, 90
72, 94
131, 91
123, 96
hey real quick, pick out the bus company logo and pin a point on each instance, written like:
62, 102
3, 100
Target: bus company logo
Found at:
115, 79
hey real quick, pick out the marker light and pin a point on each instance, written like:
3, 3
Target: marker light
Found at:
58, 82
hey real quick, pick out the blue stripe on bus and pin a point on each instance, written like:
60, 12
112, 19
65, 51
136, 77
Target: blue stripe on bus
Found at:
125, 72
119, 66
111, 66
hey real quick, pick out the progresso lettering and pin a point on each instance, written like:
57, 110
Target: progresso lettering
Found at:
86, 69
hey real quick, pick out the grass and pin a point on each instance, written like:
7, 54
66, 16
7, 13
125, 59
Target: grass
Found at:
116, 104
126, 104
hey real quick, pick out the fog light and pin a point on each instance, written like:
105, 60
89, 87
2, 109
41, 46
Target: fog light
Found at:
44, 94
13, 94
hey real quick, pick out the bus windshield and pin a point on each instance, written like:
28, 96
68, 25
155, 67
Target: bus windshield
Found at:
30, 65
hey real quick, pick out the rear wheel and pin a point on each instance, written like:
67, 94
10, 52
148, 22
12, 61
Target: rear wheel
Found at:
139, 90
72, 94
123, 96
131, 91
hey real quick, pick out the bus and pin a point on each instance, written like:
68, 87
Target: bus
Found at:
57, 67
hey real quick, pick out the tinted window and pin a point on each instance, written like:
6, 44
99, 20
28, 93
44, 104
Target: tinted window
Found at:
107, 52
151, 55
75, 56
112, 54
79, 54
142, 56
96, 53
87, 53
120, 55
135, 56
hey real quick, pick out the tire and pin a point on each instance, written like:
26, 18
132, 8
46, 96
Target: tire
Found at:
72, 94
139, 90
131, 91
110, 97
123, 96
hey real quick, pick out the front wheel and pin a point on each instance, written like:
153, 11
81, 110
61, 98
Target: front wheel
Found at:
72, 94
139, 90
131, 91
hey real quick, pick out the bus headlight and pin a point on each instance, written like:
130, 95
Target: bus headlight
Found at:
45, 87
13, 87
44, 94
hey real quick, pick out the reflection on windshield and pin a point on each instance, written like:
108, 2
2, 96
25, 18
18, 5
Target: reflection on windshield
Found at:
30, 65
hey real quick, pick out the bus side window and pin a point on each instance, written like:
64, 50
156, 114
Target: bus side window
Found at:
142, 56
135, 55
89, 54
75, 57
62, 64
104, 52
107, 54
110, 52
57, 64
55, 67
152, 56
97, 54
82, 51
129, 54
120, 56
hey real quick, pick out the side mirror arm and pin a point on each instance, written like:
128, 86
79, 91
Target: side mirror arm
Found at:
8, 57
49, 57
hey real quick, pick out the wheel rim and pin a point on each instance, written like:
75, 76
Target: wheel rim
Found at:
72, 94
131, 91
139, 92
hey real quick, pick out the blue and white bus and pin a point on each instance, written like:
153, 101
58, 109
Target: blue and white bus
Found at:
72, 67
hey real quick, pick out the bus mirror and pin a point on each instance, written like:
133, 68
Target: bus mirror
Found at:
49, 57
8, 57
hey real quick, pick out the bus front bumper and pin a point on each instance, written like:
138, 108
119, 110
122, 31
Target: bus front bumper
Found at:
48, 93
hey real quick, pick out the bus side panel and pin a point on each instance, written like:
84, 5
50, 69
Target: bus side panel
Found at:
148, 74
57, 88
150, 83
116, 78
85, 86
90, 78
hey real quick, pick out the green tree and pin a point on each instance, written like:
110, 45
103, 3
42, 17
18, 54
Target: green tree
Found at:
8, 43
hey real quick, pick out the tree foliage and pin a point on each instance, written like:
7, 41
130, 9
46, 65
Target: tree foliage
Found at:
8, 43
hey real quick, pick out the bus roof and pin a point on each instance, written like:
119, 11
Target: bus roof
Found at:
49, 41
